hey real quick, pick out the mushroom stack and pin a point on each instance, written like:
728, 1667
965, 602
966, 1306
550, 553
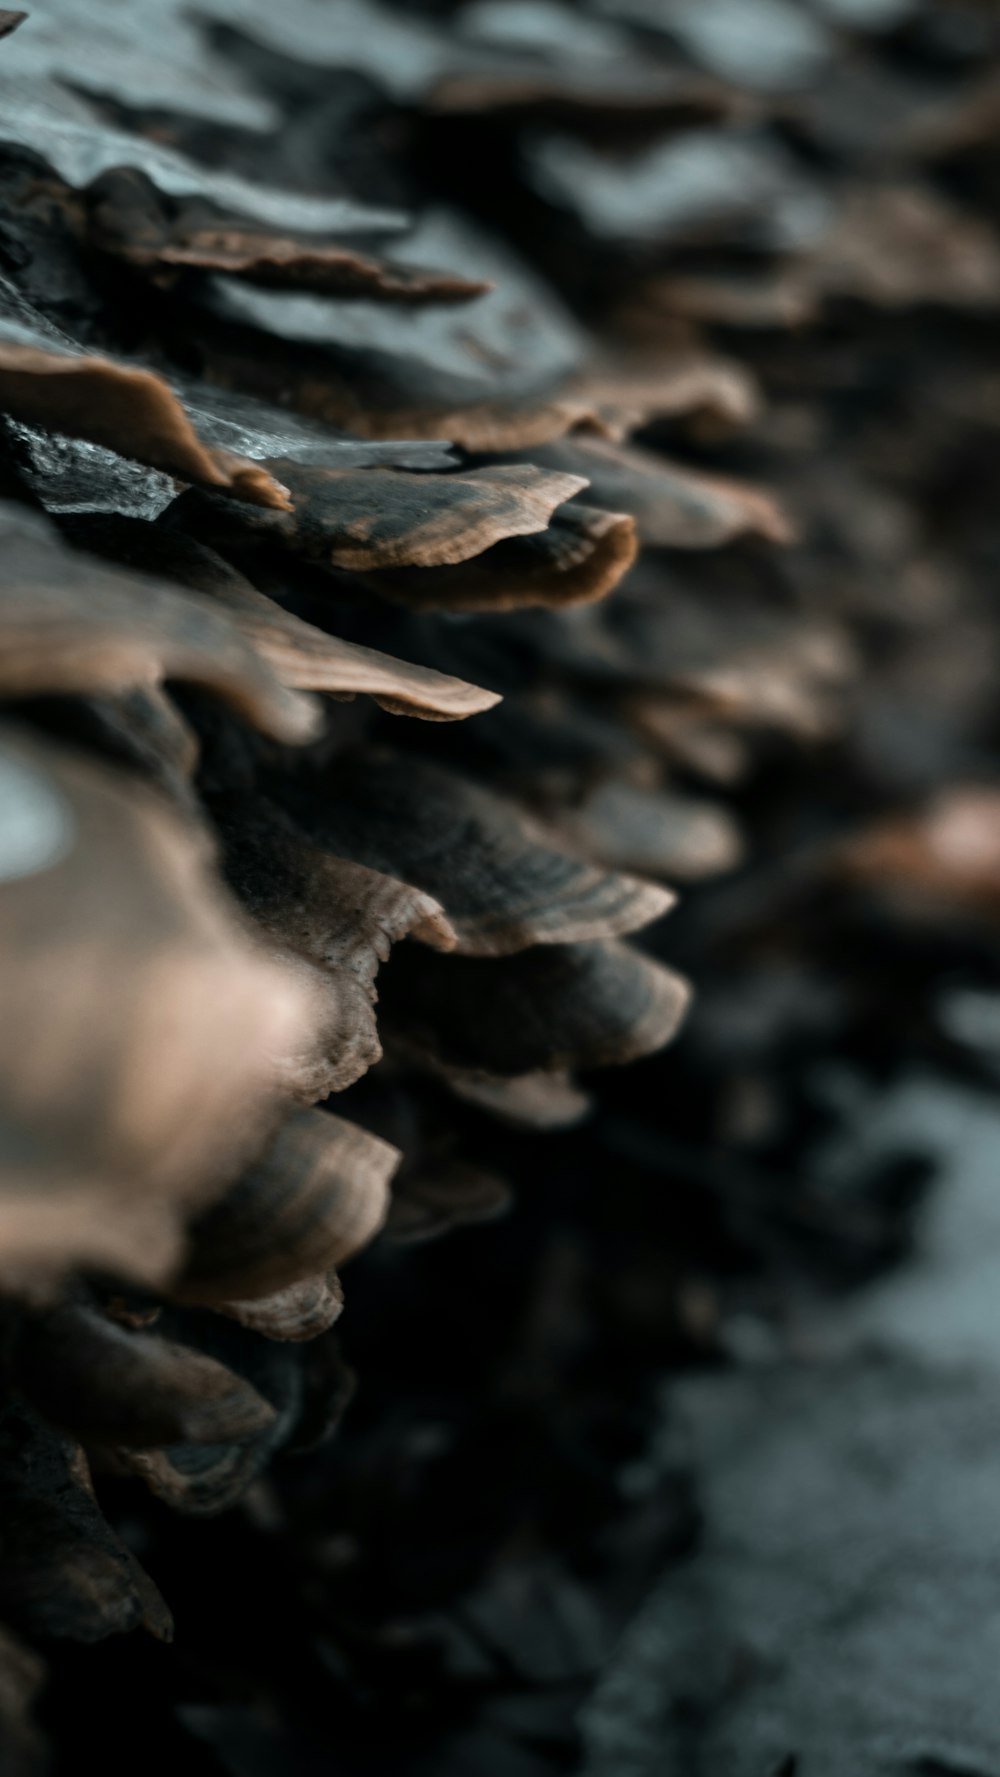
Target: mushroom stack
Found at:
326, 334
263, 475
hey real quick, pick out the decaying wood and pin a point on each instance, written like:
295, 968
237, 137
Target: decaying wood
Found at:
65, 1573
610, 428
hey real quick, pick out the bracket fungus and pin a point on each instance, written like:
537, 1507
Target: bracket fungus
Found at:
602, 378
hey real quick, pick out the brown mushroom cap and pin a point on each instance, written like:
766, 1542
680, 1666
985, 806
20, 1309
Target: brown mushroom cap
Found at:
552, 1007
316, 1194
140, 1037
502, 883
68, 624
47, 380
